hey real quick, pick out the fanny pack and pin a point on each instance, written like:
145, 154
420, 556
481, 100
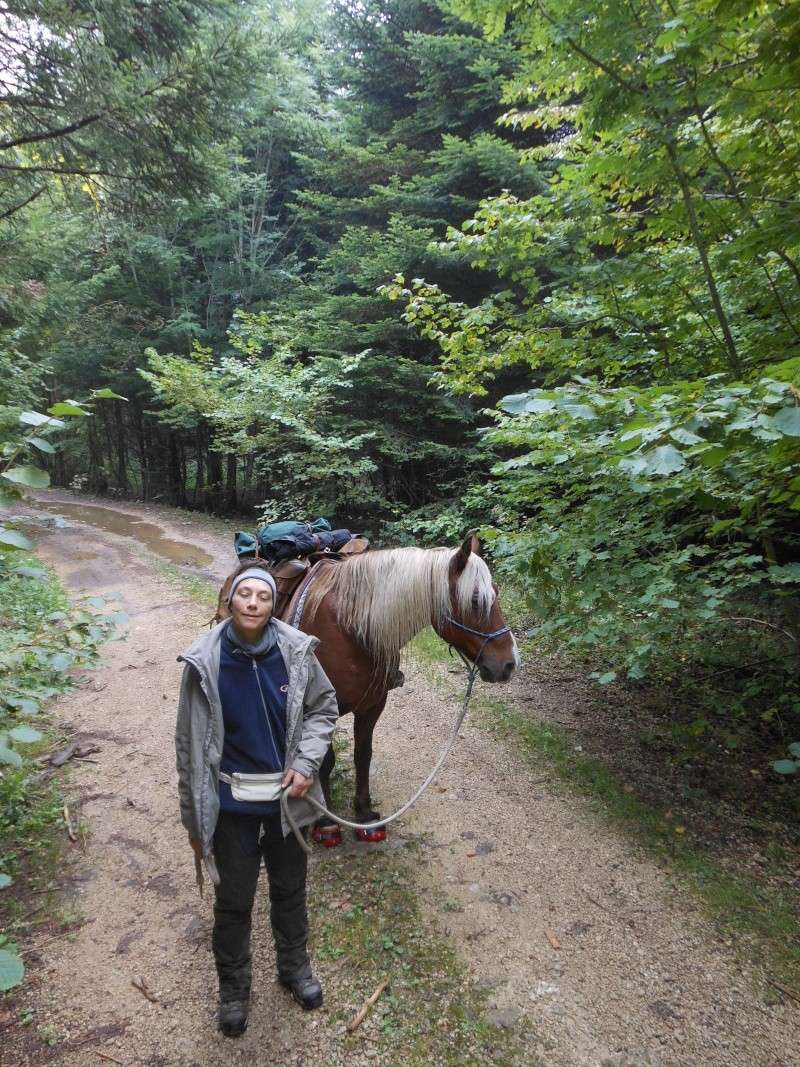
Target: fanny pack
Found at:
253, 787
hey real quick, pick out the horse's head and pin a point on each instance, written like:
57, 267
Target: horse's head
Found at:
475, 626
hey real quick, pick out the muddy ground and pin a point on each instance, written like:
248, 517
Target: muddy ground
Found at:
584, 945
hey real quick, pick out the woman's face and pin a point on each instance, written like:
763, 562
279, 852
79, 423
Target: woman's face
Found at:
251, 607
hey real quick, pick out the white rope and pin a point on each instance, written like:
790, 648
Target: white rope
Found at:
400, 811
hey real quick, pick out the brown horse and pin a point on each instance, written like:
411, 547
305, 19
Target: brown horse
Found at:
365, 609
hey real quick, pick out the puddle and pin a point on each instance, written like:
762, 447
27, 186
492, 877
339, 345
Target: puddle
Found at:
119, 522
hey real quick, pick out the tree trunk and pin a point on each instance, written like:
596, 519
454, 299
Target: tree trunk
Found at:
108, 438
199, 479
176, 487
230, 482
247, 476
95, 465
214, 466
182, 468
122, 452
141, 443
694, 225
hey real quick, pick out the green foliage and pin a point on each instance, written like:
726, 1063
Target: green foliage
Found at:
593, 216
670, 224
329, 185
437, 524
115, 100
12, 969
652, 513
267, 408
43, 640
646, 484
20, 440
791, 765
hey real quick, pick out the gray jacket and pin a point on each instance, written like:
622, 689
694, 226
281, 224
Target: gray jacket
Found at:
311, 714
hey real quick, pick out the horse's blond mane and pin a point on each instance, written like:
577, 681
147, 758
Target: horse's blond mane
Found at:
386, 597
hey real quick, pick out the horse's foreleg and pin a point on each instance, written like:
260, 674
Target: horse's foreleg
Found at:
324, 832
362, 756
325, 771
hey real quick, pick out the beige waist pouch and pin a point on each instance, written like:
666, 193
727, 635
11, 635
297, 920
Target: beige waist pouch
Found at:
253, 787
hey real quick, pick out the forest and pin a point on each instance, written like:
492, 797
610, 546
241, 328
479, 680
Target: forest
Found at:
531, 268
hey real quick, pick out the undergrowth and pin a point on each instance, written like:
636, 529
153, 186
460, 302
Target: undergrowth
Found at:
44, 640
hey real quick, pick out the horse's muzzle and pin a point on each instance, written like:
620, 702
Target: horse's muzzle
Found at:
496, 672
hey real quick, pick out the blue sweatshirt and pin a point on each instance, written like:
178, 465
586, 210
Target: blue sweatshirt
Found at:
255, 735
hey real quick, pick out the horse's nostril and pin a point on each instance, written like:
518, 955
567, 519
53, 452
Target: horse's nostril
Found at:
508, 670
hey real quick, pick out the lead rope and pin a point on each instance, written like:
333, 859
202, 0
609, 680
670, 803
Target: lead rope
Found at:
472, 670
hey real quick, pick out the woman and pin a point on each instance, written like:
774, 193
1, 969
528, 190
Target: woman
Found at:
254, 702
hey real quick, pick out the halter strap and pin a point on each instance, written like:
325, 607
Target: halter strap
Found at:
450, 621
472, 667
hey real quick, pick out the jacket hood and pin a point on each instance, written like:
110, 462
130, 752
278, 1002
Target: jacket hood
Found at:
203, 649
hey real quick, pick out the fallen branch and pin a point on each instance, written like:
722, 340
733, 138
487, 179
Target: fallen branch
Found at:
761, 622
47, 941
363, 1011
59, 756
74, 749
145, 990
613, 914
70, 831
105, 1056
734, 667
786, 992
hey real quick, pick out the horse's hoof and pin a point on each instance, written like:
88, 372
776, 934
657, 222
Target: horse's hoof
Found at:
327, 836
371, 835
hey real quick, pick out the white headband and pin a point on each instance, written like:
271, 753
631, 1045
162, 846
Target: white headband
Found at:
253, 573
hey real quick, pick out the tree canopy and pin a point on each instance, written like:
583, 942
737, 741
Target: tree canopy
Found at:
529, 267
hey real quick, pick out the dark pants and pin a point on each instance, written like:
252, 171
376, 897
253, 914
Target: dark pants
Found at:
239, 846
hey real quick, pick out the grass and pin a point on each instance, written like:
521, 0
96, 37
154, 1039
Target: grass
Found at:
194, 586
369, 926
766, 917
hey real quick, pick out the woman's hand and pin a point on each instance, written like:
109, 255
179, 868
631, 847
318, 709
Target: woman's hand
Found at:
298, 784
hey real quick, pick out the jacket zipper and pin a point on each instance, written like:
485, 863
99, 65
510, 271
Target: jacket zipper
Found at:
266, 710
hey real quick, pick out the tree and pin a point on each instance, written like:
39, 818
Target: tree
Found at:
121, 99
646, 470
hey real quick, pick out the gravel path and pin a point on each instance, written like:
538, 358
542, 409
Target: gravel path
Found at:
577, 935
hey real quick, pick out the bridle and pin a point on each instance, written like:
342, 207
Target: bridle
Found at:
473, 667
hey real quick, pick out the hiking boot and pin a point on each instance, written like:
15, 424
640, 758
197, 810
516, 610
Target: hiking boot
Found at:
305, 989
233, 1017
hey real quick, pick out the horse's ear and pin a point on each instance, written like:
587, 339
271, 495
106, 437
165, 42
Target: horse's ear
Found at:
470, 544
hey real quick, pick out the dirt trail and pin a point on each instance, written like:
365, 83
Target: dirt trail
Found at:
640, 977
